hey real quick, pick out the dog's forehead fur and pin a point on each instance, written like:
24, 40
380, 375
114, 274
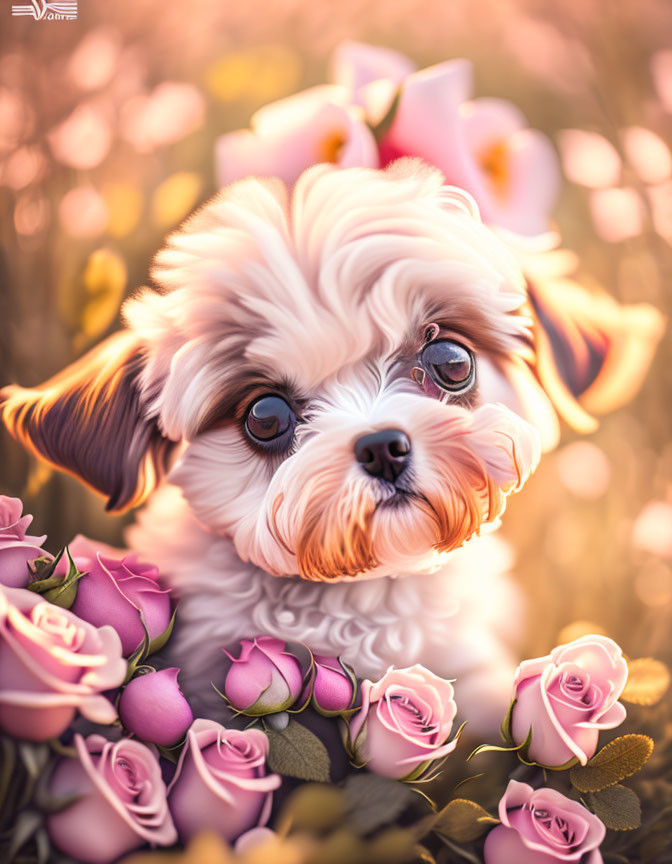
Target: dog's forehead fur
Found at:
297, 288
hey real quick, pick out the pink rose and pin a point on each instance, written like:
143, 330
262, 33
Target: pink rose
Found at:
543, 827
482, 145
221, 782
264, 679
115, 591
122, 805
404, 723
16, 547
153, 708
567, 697
52, 664
288, 136
333, 688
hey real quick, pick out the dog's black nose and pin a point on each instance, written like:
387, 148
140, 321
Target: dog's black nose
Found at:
384, 454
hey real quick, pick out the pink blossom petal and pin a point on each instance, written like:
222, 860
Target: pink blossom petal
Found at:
648, 154
356, 64
660, 201
84, 139
83, 212
588, 159
618, 214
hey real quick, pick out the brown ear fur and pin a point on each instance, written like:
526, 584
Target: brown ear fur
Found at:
88, 421
591, 353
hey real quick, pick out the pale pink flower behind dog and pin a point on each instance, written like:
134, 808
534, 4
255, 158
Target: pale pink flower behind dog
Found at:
566, 697
288, 136
114, 591
53, 664
153, 708
122, 803
16, 547
404, 722
542, 826
221, 782
483, 146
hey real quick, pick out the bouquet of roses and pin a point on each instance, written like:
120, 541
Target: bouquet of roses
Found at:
102, 754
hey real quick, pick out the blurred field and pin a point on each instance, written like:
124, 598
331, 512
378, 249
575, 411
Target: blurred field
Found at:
107, 127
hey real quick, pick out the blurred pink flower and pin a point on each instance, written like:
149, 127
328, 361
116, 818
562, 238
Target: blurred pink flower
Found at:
23, 167
583, 469
169, 113
83, 212
660, 201
290, 135
648, 154
83, 139
652, 531
588, 159
661, 72
618, 214
94, 60
482, 146
16, 118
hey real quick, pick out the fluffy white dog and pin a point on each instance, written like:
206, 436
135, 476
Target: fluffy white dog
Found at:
345, 381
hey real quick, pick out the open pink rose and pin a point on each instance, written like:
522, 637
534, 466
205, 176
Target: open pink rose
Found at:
542, 826
482, 145
52, 664
221, 782
566, 697
122, 803
288, 136
264, 679
16, 547
114, 591
404, 723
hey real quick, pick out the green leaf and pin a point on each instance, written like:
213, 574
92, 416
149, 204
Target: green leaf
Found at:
617, 806
374, 801
296, 752
617, 760
64, 595
648, 681
159, 641
463, 820
59, 589
138, 657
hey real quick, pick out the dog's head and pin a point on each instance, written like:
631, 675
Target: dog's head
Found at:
352, 377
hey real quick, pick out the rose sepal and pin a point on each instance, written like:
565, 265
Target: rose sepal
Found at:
57, 588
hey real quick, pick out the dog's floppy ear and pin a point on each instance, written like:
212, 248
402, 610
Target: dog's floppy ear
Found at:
88, 421
591, 353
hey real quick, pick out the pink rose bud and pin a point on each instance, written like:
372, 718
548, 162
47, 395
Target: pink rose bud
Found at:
17, 548
404, 723
122, 803
53, 664
542, 826
333, 688
114, 591
564, 699
221, 782
264, 679
153, 708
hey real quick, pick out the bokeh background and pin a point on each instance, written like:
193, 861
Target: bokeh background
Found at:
107, 127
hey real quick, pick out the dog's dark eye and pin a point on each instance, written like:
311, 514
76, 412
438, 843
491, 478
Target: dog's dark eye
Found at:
449, 364
269, 418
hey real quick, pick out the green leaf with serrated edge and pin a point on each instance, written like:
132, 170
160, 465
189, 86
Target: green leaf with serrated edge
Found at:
617, 806
463, 820
505, 728
159, 641
374, 801
617, 760
297, 752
